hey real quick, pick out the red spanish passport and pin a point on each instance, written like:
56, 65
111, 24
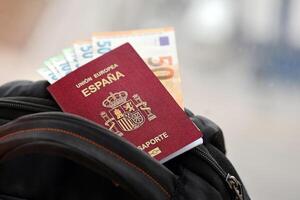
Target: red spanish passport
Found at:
120, 92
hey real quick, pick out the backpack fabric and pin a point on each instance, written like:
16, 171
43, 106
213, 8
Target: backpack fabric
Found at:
46, 154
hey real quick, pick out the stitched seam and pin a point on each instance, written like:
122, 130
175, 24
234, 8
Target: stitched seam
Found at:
53, 130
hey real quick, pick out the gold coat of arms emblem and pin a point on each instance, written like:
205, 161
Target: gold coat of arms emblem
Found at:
125, 115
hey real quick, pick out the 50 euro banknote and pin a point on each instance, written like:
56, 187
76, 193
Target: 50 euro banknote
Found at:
84, 51
157, 47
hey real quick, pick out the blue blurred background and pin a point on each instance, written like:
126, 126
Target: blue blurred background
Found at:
239, 59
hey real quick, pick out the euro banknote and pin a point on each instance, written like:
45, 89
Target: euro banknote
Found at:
61, 64
157, 47
104, 42
71, 57
84, 51
53, 68
45, 72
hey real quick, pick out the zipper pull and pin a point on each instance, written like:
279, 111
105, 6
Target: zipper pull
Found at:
235, 186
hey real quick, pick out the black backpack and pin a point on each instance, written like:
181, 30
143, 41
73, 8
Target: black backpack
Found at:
50, 155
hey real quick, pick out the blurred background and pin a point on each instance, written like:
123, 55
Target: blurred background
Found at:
239, 59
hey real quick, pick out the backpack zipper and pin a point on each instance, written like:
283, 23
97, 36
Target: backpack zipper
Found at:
8, 103
233, 183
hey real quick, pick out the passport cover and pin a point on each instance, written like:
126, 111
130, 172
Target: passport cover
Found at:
120, 92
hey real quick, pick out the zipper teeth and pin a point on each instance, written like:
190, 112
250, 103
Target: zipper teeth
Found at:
209, 159
212, 162
220, 171
26, 107
72, 119
47, 102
